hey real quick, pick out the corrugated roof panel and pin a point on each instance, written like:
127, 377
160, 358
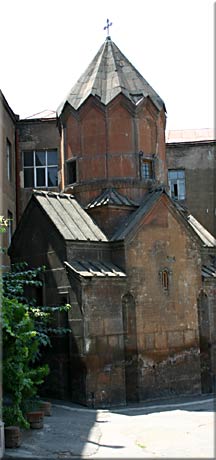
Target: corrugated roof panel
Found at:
70, 220
103, 269
78, 268
55, 217
134, 218
108, 266
76, 220
208, 271
201, 231
92, 231
69, 217
111, 197
92, 268
95, 268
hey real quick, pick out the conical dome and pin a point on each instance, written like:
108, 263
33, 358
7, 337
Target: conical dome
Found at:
110, 73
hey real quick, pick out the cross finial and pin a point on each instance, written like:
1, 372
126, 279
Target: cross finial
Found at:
107, 27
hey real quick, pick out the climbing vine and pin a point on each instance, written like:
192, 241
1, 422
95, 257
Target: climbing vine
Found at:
25, 329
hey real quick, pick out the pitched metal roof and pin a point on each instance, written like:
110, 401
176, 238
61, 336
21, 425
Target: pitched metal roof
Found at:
134, 218
109, 74
207, 238
149, 200
110, 197
209, 271
68, 216
89, 269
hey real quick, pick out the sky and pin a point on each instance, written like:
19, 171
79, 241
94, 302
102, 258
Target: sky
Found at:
47, 44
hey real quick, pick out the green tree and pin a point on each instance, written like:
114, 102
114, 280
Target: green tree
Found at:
25, 328
20, 348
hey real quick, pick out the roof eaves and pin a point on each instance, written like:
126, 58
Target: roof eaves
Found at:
92, 269
147, 203
208, 271
204, 235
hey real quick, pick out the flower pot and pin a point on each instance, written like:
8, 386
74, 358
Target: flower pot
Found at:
46, 407
13, 436
35, 419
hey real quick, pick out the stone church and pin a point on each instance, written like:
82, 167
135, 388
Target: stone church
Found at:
136, 266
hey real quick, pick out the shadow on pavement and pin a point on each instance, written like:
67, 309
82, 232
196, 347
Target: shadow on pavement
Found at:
74, 431
66, 434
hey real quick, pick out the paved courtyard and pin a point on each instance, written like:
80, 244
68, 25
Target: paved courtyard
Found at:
178, 428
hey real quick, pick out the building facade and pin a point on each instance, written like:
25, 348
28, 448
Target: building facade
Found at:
117, 223
8, 190
192, 173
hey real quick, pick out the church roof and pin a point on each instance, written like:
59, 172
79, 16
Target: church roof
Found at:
110, 73
110, 197
206, 238
95, 268
149, 200
208, 271
68, 216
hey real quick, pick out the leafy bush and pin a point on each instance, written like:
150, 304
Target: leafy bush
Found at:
25, 328
21, 345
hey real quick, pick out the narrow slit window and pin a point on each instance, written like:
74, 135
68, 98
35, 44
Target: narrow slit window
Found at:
9, 160
71, 172
165, 280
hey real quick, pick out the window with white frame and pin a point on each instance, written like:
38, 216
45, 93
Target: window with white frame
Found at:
40, 168
176, 179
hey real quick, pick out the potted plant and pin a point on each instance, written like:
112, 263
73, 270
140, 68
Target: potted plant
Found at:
46, 407
12, 432
13, 436
35, 419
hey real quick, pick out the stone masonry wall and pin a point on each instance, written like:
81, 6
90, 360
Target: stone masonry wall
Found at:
198, 159
166, 319
103, 342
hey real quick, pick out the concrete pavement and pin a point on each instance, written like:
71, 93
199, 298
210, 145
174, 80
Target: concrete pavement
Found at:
176, 428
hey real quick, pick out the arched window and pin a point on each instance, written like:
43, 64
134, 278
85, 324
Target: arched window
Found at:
165, 279
129, 314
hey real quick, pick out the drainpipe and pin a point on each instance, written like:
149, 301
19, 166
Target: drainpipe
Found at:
17, 174
62, 148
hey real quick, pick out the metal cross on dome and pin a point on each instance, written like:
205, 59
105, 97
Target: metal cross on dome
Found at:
107, 27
